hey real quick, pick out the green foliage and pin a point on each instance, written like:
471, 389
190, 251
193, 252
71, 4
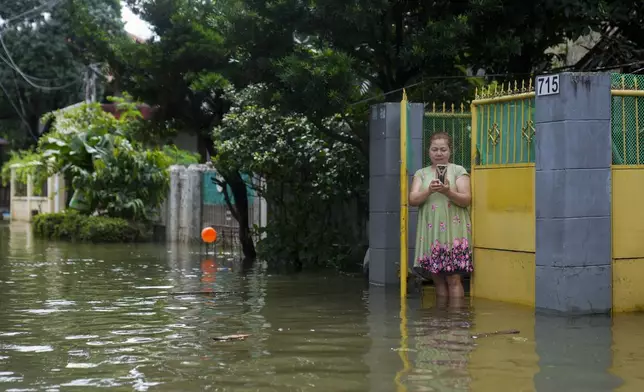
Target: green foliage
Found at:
310, 177
72, 226
305, 74
111, 173
44, 65
116, 176
28, 162
286, 148
181, 157
181, 72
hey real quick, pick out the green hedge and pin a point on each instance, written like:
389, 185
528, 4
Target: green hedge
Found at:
72, 226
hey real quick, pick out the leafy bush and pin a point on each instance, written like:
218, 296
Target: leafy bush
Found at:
315, 182
181, 157
72, 226
111, 173
30, 162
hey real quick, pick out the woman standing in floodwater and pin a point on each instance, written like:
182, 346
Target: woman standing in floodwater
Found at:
444, 227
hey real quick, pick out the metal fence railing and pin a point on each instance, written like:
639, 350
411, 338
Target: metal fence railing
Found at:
457, 123
627, 115
504, 124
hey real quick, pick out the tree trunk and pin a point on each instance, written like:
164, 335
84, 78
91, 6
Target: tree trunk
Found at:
239, 210
238, 188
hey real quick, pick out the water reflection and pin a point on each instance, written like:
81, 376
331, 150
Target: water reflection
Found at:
108, 316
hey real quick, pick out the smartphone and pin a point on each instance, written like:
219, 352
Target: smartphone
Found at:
441, 172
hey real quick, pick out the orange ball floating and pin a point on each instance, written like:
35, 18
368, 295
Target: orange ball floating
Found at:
209, 235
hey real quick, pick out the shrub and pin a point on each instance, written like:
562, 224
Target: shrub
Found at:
72, 226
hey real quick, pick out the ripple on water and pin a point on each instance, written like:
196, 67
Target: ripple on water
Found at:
81, 365
59, 302
43, 311
26, 349
13, 333
153, 287
141, 330
140, 340
93, 382
80, 337
10, 377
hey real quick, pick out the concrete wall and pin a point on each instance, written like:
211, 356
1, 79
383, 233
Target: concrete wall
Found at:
573, 196
184, 204
542, 231
21, 207
186, 213
384, 189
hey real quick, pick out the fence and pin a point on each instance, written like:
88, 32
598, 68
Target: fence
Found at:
197, 201
505, 117
557, 227
503, 209
457, 123
215, 211
24, 201
627, 110
627, 173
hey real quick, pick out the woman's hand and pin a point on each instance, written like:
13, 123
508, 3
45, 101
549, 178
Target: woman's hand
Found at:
437, 186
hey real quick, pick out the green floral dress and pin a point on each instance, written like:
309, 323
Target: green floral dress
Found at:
444, 229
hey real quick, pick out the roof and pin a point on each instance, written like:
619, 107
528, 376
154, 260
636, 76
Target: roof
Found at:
136, 38
145, 110
614, 52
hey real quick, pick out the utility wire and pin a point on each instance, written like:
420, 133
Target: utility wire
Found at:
24, 121
11, 63
448, 77
26, 77
31, 11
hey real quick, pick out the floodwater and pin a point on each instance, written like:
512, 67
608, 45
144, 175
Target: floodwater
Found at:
89, 317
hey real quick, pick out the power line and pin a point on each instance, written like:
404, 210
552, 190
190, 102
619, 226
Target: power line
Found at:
30, 77
11, 63
25, 122
31, 11
448, 77
26, 77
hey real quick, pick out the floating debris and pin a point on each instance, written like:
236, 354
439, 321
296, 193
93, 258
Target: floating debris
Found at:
505, 332
228, 338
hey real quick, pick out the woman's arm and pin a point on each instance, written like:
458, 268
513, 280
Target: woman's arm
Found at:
462, 196
417, 196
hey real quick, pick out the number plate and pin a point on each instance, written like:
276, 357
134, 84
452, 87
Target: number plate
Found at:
547, 85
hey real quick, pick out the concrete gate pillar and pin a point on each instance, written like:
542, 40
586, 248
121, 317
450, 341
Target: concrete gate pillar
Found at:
384, 188
573, 195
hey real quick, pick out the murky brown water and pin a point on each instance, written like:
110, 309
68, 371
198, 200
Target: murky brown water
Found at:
84, 317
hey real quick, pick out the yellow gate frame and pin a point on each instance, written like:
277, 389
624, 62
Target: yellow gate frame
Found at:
404, 198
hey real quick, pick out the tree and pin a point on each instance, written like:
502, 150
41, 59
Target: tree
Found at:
513, 37
308, 175
323, 60
620, 44
41, 66
389, 44
183, 74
